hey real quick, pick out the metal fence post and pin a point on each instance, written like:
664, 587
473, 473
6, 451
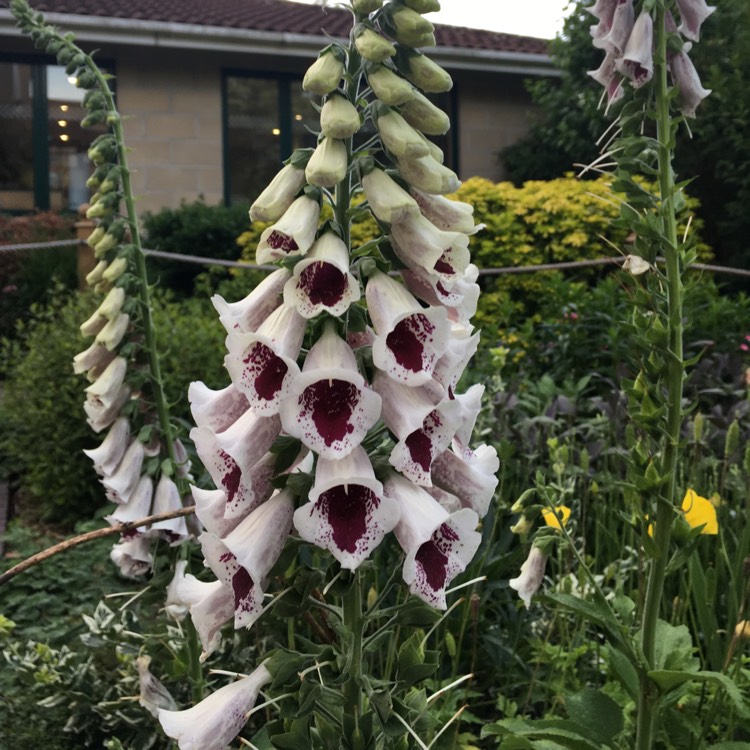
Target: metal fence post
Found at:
86, 261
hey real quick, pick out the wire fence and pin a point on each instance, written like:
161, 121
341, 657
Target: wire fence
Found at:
506, 270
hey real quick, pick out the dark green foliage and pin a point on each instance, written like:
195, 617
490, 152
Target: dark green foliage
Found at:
192, 229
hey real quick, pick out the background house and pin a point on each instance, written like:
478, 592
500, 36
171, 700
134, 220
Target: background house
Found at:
213, 97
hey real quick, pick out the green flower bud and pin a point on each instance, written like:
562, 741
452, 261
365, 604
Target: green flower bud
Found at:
428, 175
324, 74
95, 117
372, 46
389, 87
698, 424
339, 118
96, 236
423, 6
85, 79
95, 180
95, 276
366, 6
94, 99
422, 114
427, 75
328, 165
732, 442
410, 28
399, 137
116, 269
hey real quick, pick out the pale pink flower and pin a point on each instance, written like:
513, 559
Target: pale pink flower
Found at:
132, 555
137, 505
112, 448
637, 61
686, 79
692, 15
470, 476
615, 38
216, 410
211, 605
167, 499
124, 478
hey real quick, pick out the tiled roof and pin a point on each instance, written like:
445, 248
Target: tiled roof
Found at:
275, 16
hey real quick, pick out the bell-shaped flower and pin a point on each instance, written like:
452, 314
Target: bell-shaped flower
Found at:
112, 303
615, 38
461, 346
438, 544
423, 115
606, 75
411, 28
278, 195
531, 576
410, 339
330, 407
214, 722
471, 404
132, 555
96, 356
246, 315
427, 74
460, 297
210, 606
685, 77
421, 245
347, 514
637, 61
121, 483
328, 164
100, 417
153, 696
209, 509
604, 12
388, 200
216, 410
176, 607
111, 335
112, 448
324, 74
446, 214
137, 505
93, 325
427, 174
471, 477
371, 45
105, 390
692, 15
262, 364
339, 118
166, 500
249, 438
400, 138
424, 429
388, 86
292, 234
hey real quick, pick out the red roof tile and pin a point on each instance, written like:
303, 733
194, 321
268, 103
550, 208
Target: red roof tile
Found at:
273, 15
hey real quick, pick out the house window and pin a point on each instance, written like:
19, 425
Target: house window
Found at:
43, 162
265, 120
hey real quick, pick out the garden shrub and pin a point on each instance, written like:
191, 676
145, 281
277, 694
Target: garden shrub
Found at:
192, 229
44, 428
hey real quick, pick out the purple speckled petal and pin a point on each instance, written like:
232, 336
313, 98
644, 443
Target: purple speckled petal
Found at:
216, 410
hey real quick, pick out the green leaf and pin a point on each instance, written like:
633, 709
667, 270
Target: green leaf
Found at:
624, 671
674, 648
596, 711
595, 612
668, 679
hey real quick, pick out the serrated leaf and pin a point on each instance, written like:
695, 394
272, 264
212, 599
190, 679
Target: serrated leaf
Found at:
668, 680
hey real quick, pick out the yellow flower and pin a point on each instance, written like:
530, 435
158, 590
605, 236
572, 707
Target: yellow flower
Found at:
557, 517
700, 512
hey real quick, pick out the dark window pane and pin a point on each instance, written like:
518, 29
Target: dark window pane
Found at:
304, 116
16, 146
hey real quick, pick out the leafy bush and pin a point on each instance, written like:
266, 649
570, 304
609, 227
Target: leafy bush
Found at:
192, 229
44, 427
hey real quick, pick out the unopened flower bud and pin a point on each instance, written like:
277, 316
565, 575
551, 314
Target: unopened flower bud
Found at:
112, 303
389, 87
366, 6
116, 269
742, 630
339, 118
423, 6
422, 114
324, 74
427, 75
95, 276
410, 28
96, 236
327, 166
522, 527
271, 204
372, 46
400, 138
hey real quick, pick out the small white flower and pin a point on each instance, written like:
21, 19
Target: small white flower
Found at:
112, 448
388, 200
328, 164
292, 234
531, 576
339, 118
636, 265
271, 204
389, 87
400, 138
429, 175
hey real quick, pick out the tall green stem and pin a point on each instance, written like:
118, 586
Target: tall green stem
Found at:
354, 623
674, 379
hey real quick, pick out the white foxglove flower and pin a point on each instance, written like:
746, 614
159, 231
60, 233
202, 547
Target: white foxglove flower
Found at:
246, 315
471, 477
328, 164
615, 38
176, 607
606, 75
95, 276
429, 175
459, 297
214, 722
121, 483
112, 303
322, 281
210, 606
471, 404
263, 364
105, 390
339, 118
400, 138
249, 438
424, 429
423, 115
388, 86
99, 417
637, 61
111, 335
686, 79
438, 544
347, 514
388, 200
137, 505
216, 410
410, 339
271, 204
531, 576
110, 452
330, 407
446, 214
132, 555
420, 244
153, 696
692, 15
93, 325
324, 74
167, 499
461, 346
292, 234
96, 356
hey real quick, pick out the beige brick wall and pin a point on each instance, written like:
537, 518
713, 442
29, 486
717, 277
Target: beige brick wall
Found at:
173, 126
